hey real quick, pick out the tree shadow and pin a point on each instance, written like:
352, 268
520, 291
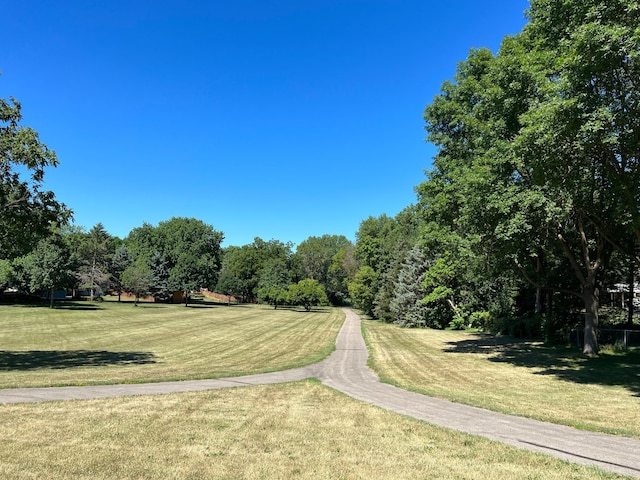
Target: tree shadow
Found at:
564, 363
60, 359
149, 305
57, 305
76, 306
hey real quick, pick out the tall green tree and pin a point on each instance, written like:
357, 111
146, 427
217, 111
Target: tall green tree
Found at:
95, 256
538, 146
159, 286
274, 282
362, 289
316, 257
27, 209
137, 279
243, 267
342, 270
230, 285
308, 293
190, 248
407, 303
381, 244
119, 262
587, 113
48, 266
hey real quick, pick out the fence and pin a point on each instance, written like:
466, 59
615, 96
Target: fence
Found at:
608, 336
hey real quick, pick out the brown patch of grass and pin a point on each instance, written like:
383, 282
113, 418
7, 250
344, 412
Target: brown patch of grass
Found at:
300, 430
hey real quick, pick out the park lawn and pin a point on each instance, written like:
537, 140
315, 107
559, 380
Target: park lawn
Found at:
88, 343
296, 430
507, 375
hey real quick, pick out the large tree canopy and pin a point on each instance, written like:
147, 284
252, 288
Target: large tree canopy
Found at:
27, 210
244, 268
537, 162
189, 248
326, 259
47, 267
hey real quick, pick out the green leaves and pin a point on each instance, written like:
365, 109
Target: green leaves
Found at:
538, 162
189, 247
308, 293
48, 266
26, 210
362, 289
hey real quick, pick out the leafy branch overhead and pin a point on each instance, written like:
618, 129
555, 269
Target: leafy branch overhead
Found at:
27, 211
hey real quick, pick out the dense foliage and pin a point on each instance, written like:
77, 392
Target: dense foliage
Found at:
27, 211
535, 184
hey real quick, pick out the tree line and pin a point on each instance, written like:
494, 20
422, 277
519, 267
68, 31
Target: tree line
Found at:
531, 208
529, 211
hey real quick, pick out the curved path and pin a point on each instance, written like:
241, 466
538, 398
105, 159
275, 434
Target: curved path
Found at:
346, 370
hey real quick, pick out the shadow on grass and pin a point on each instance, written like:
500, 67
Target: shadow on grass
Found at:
57, 359
148, 305
565, 363
76, 306
57, 305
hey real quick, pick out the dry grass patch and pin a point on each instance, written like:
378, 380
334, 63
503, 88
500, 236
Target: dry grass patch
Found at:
511, 376
300, 430
92, 343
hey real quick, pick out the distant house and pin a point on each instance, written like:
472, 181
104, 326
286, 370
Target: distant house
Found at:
619, 294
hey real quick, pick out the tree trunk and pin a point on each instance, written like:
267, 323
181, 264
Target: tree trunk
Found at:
186, 298
590, 298
538, 308
51, 298
539, 291
631, 280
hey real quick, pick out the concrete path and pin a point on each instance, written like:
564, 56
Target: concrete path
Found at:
346, 370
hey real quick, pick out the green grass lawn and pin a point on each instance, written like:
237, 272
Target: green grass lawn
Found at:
524, 378
298, 430
294, 430
108, 342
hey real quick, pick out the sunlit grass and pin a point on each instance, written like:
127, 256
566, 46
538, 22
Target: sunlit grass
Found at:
510, 376
301, 430
91, 343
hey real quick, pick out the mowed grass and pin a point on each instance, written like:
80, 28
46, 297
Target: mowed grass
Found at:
94, 343
507, 375
298, 430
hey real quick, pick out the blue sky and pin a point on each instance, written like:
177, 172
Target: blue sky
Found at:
276, 119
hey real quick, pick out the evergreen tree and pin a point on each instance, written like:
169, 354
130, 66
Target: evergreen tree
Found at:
159, 286
407, 304
119, 262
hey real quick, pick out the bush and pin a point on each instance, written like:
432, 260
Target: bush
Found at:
479, 319
458, 323
438, 316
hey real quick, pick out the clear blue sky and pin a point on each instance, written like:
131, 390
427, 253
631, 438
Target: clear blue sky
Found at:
280, 119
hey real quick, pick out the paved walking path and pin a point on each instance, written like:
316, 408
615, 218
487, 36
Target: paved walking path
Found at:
346, 370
